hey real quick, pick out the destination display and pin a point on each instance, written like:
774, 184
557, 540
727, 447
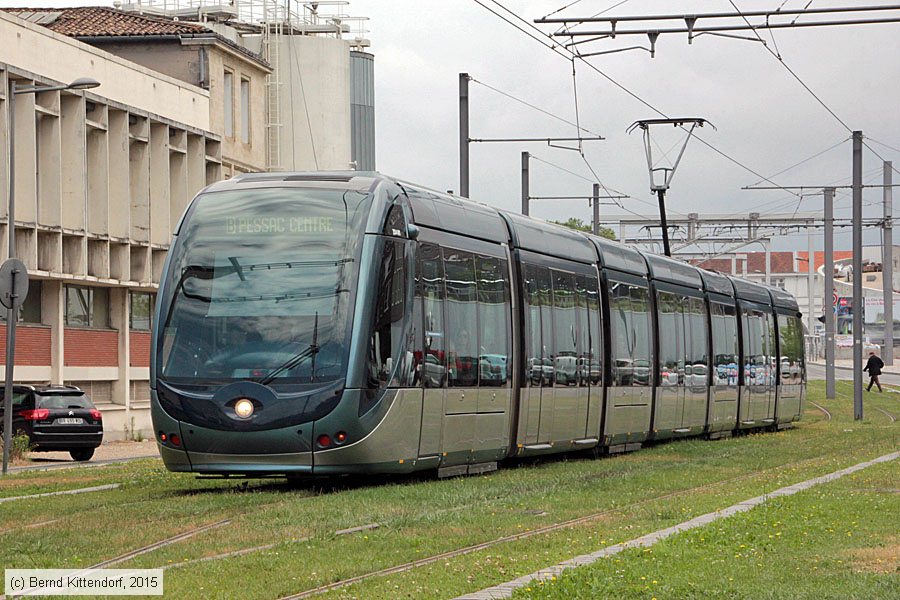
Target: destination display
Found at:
264, 225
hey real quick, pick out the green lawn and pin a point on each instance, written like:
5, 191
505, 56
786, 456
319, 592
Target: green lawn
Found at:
418, 517
838, 540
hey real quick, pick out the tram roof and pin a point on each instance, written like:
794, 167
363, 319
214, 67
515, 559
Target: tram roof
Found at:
667, 269
454, 214
783, 299
615, 255
553, 240
753, 292
717, 283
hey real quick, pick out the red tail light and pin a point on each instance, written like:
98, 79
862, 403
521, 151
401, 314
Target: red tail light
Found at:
163, 437
38, 414
96, 414
324, 440
174, 439
340, 437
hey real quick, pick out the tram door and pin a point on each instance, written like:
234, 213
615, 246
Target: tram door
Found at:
432, 365
758, 399
465, 369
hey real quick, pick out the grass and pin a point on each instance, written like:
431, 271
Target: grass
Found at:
839, 540
417, 517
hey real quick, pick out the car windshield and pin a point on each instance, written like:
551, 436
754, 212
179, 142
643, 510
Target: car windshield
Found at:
63, 401
260, 286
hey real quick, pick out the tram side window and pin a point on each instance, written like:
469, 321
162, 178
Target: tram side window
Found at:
433, 368
695, 348
588, 320
630, 330
640, 303
757, 362
387, 345
493, 315
566, 342
793, 367
533, 347
671, 347
725, 344
462, 319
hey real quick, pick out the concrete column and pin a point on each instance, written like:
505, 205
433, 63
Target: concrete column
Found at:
53, 307
118, 317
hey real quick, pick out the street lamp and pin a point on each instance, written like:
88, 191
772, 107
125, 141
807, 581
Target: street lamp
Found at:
13, 274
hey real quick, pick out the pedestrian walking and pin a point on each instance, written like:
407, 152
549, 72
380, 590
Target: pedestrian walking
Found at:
874, 366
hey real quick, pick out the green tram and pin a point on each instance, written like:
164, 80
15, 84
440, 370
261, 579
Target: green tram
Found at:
346, 322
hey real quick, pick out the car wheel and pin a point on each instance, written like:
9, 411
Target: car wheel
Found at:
82, 454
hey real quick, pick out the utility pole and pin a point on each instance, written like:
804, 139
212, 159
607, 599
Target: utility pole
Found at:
595, 225
526, 184
810, 277
829, 293
465, 140
857, 277
464, 135
887, 266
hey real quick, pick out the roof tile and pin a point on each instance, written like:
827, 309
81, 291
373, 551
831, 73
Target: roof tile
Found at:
99, 21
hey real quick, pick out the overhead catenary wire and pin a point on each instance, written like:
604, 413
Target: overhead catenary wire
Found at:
533, 106
542, 38
789, 69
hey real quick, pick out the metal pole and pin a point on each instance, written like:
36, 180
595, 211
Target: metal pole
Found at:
829, 293
810, 277
595, 226
525, 183
768, 246
887, 266
12, 313
857, 278
464, 135
661, 194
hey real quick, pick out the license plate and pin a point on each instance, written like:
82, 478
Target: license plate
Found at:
70, 421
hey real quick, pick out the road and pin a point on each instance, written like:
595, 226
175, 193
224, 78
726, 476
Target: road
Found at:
816, 371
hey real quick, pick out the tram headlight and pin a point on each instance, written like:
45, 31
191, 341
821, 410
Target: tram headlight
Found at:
243, 408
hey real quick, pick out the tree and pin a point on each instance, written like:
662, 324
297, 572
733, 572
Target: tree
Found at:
579, 225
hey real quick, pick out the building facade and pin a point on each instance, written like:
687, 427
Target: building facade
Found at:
101, 179
190, 52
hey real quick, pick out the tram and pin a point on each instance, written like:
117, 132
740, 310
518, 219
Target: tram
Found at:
347, 322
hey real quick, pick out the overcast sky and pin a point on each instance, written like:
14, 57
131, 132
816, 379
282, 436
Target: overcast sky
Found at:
764, 117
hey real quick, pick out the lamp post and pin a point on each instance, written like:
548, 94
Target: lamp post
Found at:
13, 274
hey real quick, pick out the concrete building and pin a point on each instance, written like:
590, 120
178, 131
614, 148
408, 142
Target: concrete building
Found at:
319, 94
191, 52
102, 177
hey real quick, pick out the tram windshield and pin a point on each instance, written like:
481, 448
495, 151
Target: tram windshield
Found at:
261, 287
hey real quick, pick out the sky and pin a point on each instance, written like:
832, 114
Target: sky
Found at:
764, 119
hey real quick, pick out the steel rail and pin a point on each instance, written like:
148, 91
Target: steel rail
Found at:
160, 544
525, 534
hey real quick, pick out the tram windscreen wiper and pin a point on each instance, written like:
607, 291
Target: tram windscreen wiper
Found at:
297, 359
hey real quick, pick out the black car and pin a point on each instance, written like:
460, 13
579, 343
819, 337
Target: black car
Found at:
57, 417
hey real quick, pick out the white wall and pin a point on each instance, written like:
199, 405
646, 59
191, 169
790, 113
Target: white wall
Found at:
315, 103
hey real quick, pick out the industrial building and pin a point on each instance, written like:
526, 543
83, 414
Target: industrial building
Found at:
102, 176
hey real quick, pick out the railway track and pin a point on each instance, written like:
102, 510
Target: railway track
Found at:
886, 413
823, 409
525, 534
160, 544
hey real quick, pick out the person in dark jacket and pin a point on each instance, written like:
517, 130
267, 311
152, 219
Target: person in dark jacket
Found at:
874, 366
